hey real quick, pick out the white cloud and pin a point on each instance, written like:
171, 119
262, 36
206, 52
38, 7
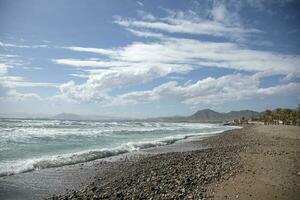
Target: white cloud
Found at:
3, 68
142, 62
146, 16
9, 83
184, 26
224, 23
89, 63
196, 53
80, 75
10, 61
11, 94
91, 50
9, 45
146, 34
98, 85
14, 95
140, 3
168, 54
220, 13
26, 84
209, 91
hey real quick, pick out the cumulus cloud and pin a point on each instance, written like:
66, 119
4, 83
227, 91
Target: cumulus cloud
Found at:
196, 53
9, 83
169, 48
209, 91
8, 93
142, 62
3, 68
99, 84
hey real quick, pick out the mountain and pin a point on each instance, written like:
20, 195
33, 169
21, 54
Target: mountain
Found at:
205, 115
62, 116
208, 115
23, 115
71, 116
67, 116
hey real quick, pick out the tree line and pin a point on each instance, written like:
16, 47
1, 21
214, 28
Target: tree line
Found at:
283, 116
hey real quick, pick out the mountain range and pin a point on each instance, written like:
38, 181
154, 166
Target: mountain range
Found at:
205, 115
208, 115
70, 116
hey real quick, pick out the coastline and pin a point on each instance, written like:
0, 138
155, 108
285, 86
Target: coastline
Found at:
165, 173
39, 184
256, 162
217, 167
90, 148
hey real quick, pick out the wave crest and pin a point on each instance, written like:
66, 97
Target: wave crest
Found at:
85, 156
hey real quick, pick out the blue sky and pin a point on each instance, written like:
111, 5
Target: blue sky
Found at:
148, 58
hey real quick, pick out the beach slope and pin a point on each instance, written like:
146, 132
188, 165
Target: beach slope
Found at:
271, 166
256, 162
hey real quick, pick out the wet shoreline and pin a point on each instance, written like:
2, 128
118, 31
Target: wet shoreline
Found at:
46, 182
256, 162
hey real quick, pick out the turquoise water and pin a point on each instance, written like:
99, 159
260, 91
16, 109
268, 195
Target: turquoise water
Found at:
27, 144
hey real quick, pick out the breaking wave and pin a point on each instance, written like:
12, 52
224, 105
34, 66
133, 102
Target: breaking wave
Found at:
90, 155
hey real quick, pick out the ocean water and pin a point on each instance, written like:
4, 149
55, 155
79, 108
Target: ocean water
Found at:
27, 144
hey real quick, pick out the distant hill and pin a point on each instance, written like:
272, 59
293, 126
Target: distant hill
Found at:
205, 115
71, 116
67, 116
62, 116
208, 115
22, 115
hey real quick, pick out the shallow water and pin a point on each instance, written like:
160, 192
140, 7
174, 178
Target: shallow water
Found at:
27, 144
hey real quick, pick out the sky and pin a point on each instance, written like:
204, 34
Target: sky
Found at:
148, 58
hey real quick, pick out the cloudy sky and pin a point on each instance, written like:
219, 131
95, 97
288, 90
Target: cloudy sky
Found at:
148, 58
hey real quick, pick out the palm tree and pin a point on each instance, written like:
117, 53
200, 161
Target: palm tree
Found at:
298, 115
287, 116
294, 118
267, 117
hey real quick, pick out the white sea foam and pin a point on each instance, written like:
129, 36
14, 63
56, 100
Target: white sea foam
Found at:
20, 166
28, 145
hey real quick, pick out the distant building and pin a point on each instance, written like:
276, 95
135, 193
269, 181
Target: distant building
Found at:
255, 122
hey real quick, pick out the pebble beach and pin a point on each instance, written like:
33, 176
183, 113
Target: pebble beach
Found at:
234, 164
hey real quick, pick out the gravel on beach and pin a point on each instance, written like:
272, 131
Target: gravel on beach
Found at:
181, 175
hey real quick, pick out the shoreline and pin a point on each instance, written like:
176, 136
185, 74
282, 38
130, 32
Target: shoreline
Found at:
256, 162
217, 167
89, 155
38, 184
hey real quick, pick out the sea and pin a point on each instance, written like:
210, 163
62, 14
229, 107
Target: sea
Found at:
32, 144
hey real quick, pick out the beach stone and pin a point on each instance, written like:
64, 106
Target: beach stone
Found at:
178, 175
